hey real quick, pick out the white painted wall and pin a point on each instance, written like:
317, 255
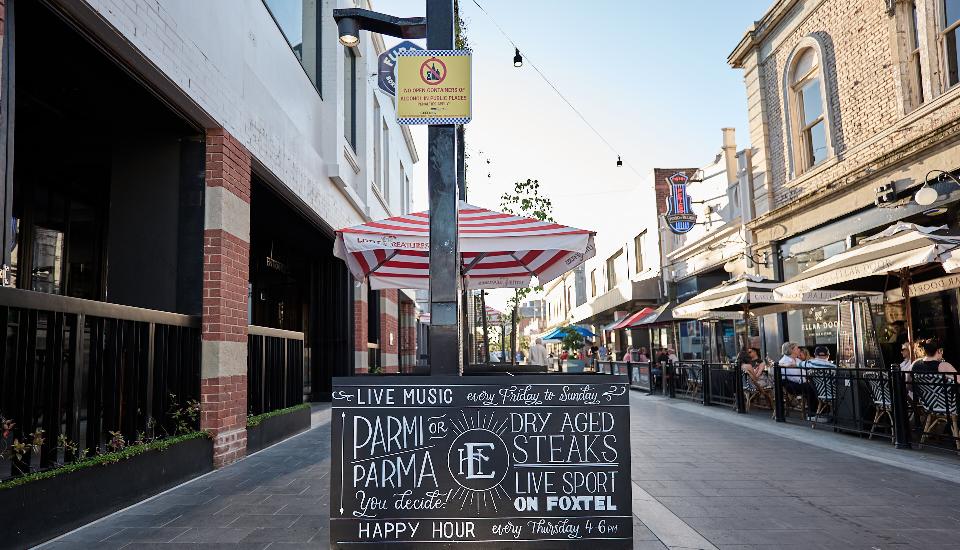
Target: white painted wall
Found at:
231, 59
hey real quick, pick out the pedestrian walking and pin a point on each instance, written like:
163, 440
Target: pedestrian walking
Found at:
538, 353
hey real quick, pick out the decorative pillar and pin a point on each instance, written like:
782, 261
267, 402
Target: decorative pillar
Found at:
389, 330
226, 266
360, 329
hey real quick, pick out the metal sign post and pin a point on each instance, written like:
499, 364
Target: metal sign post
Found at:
445, 357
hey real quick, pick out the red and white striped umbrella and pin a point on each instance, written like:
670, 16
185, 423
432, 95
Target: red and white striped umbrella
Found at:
498, 250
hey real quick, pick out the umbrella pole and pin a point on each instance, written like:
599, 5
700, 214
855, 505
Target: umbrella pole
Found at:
746, 326
905, 290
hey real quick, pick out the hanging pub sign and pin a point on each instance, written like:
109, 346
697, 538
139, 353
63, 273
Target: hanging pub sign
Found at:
680, 217
491, 461
387, 66
433, 87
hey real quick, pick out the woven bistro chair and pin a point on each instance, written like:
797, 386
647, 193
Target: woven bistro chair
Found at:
882, 400
825, 382
694, 378
937, 398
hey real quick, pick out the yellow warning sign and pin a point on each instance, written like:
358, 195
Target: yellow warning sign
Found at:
433, 87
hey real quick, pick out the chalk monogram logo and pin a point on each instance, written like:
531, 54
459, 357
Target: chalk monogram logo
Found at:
478, 459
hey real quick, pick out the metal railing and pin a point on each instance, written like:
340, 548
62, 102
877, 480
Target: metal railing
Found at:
275, 363
89, 373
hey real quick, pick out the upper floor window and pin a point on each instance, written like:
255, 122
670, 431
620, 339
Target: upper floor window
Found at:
299, 21
916, 66
386, 160
593, 282
614, 266
808, 113
950, 38
638, 251
350, 97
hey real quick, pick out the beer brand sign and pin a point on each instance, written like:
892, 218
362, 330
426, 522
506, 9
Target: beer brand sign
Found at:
680, 217
492, 461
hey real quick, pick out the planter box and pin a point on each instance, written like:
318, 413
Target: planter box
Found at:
40, 510
277, 428
574, 366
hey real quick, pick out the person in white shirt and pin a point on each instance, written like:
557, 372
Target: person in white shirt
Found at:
906, 364
794, 380
538, 353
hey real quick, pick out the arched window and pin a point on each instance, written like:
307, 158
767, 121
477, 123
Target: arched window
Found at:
808, 121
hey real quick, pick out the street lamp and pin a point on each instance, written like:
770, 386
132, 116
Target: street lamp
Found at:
928, 195
443, 151
619, 162
351, 21
517, 59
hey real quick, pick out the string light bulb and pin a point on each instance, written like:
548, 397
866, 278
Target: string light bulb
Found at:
619, 162
517, 58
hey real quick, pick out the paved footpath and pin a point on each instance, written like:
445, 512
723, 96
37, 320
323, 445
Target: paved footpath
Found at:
703, 478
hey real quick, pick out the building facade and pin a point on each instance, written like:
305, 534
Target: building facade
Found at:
179, 169
838, 111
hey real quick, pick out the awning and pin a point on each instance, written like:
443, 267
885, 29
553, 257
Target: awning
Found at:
866, 266
557, 333
498, 250
626, 321
663, 314
748, 293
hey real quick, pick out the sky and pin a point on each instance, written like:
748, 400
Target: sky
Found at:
651, 77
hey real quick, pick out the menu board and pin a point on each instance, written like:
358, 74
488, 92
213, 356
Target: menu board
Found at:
538, 461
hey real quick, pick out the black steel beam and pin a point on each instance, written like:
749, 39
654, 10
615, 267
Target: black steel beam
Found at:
445, 338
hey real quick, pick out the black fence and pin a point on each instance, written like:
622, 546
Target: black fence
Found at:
908, 409
275, 364
79, 377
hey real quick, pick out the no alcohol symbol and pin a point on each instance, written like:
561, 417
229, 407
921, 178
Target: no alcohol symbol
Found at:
433, 71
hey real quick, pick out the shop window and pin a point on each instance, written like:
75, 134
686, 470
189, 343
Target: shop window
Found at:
299, 22
350, 97
806, 105
797, 262
951, 40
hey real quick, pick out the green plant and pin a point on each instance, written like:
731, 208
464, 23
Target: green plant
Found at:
572, 340
101, 459
117, 442
184, 417
255, 420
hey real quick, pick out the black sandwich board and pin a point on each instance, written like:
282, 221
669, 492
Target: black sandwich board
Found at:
530, 461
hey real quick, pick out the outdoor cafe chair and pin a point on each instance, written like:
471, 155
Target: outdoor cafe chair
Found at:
937, 398
882, 400
825, 382
752, 390
694, 378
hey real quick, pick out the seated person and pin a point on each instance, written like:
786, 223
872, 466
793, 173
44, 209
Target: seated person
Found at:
821, 359
794, 380
751, 364
933, 358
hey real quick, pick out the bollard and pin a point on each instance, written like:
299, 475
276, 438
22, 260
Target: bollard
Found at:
705, 381
901, 415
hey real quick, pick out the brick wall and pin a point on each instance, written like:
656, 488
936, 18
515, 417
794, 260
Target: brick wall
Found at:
223, 387
389, 325
661, 185
360, 336
874, 139
408, 333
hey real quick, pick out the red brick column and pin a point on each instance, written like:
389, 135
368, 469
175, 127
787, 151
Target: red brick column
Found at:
389, 330
360, 336
226, 266
408, 333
